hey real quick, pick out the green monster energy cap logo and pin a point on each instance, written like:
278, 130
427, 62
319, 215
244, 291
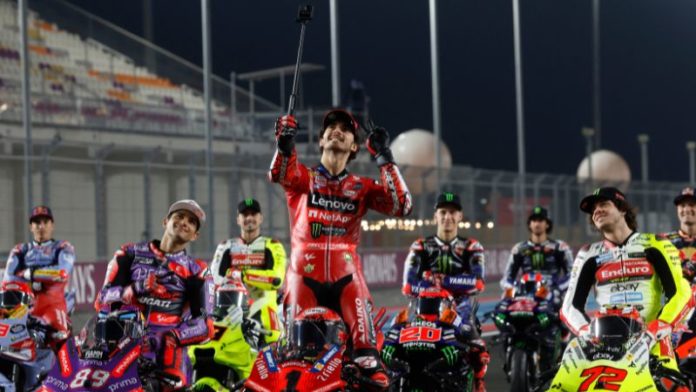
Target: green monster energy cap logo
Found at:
537, 260
537, 210
449, 196
596, 191
388, 354
316, 229
248, 202
451, 354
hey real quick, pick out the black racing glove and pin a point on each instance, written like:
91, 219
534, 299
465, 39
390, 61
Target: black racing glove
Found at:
285, 131
378, 146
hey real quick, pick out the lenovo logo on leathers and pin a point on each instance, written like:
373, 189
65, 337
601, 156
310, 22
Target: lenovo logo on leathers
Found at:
330, 203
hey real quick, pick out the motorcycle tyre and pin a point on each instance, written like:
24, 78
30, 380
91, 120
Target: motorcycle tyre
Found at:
519, 372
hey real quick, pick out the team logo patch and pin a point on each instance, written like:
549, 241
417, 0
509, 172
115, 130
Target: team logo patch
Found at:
627, 270
316, 227
309, 268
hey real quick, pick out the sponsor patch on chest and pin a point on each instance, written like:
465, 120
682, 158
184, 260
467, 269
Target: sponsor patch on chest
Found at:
624, 270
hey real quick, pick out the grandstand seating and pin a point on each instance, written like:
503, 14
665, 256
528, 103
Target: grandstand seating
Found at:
69, 73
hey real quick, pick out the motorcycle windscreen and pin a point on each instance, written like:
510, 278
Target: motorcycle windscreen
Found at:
309, 334
613, 332
10, 299
428, 306
226, 299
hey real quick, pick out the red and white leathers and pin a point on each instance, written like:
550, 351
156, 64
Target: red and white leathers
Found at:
45, 267
325, 216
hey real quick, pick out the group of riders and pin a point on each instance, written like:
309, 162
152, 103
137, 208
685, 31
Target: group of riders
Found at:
326, 203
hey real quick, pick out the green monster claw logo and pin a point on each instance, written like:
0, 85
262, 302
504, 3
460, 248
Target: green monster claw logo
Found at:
596, 191
537, 260
316, 229
537, 210
449, 196
248, 202
451, 354
388, 354
444, 263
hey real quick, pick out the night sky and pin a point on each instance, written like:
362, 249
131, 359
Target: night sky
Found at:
648, 69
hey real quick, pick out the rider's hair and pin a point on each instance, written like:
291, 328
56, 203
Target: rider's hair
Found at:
549, 228
630, 216
357, 139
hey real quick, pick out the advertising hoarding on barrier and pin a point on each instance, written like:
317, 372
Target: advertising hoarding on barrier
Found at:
382, 269
386, 268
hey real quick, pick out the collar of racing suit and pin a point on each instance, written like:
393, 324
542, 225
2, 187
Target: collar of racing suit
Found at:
37, 243
161, 255
686, 236
338, 177
611, 244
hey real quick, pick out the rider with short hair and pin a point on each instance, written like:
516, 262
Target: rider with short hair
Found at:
169, 286
45, 264
261, 262
684, 240
326, 204
456, 264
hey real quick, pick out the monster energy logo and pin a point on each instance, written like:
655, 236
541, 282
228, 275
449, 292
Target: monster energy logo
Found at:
451, 354
316, 229
449, 196
537, 210
596, 191
388, 354
248, 202
537, 260
444, 263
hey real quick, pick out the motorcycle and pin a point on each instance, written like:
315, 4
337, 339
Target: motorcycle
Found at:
425, 355
528, 326
313, 359
107, 355
616, 357
225, 362
25, 361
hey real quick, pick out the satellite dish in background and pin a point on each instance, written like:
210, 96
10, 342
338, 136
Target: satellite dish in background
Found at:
414, 152
607, 167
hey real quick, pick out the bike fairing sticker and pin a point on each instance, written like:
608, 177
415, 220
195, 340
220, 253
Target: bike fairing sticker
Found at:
269, 359
319, 365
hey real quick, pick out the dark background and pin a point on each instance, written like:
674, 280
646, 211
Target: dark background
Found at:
647, 48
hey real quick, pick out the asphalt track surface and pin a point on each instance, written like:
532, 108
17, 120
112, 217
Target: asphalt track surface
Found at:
393, 300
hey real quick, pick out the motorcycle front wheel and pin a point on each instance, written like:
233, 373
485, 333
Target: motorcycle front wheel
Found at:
519, 371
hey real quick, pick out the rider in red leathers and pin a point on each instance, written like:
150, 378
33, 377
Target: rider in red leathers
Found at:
45, 264
326, 204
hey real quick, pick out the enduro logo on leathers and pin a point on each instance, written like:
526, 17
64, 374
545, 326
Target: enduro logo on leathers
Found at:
628, 270
333, 203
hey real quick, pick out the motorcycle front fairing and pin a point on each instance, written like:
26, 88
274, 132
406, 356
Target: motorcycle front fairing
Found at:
630, 372
94, 372
273, 375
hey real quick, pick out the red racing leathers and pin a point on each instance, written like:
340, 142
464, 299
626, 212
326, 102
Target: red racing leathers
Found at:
325, 217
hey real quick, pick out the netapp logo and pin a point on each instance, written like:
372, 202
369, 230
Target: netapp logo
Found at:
332, 203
